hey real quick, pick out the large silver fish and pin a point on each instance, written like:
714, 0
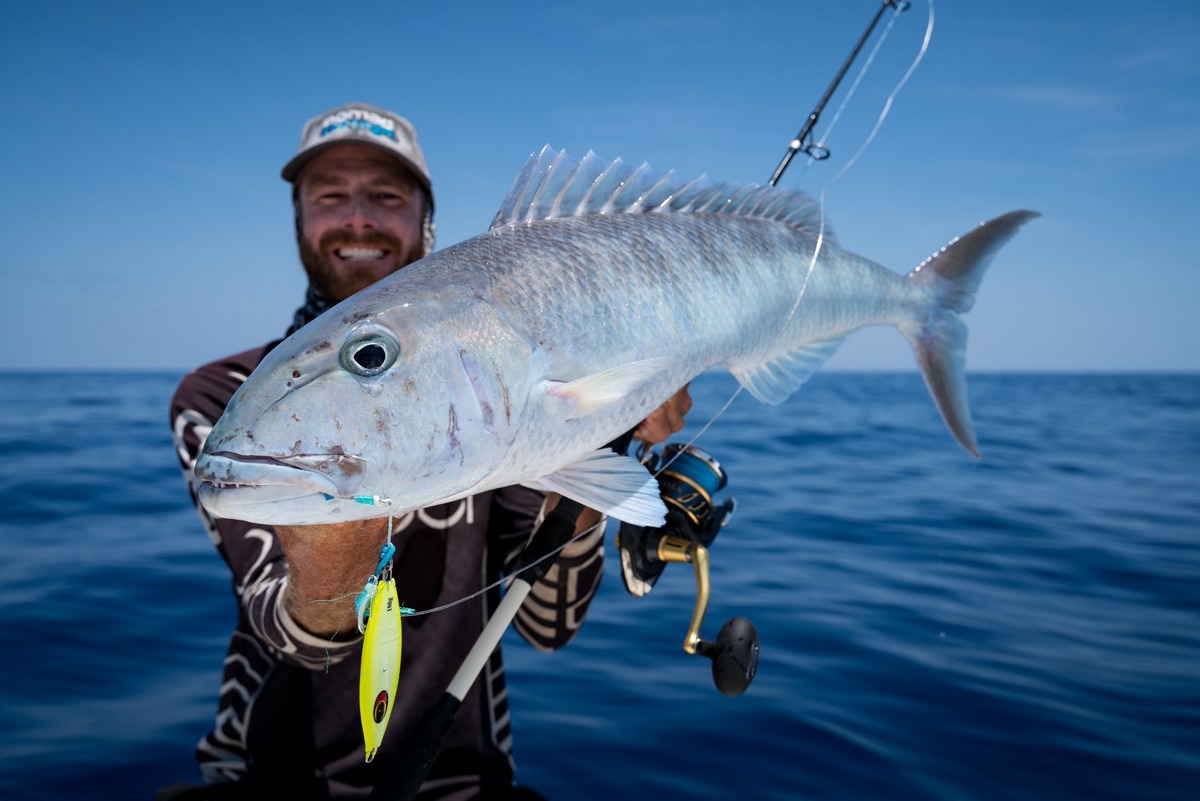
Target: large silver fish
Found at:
514, 356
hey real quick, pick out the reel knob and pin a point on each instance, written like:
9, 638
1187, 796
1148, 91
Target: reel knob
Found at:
734, 656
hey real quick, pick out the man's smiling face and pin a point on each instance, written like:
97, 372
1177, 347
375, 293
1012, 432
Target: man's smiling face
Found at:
361, 218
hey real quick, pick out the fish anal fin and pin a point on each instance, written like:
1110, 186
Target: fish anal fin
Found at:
774, 381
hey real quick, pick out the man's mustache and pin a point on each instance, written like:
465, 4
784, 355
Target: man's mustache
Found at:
371, 239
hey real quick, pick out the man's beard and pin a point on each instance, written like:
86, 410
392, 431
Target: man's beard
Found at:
338, 284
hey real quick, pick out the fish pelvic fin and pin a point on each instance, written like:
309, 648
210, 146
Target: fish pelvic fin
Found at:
939, 340
615, 485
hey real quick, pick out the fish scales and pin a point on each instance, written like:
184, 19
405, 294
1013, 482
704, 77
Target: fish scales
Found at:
682, 286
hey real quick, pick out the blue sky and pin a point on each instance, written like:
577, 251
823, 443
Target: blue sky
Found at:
145, 224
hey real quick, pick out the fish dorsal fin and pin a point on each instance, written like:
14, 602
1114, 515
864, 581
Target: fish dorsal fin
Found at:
553, 185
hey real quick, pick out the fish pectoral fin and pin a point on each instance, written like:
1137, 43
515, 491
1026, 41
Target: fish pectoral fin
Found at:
586, 395
615, 485
774, 381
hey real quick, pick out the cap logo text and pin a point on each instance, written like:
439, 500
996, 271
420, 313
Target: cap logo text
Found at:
359, 120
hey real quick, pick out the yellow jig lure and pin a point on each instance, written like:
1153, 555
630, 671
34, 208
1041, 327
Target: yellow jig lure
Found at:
380, 662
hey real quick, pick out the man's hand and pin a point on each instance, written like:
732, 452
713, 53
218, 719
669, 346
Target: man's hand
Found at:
327, 562
662, 423
666, 419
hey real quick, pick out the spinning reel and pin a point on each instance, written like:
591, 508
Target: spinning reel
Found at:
688, 477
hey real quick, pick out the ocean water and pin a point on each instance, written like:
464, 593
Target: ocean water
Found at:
1022, 627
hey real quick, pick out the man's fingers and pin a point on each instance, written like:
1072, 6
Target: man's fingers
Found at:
667, 419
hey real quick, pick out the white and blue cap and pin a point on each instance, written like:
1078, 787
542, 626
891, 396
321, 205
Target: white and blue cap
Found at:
362, 124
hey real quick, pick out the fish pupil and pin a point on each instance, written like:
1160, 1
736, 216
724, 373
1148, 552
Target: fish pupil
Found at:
370, 357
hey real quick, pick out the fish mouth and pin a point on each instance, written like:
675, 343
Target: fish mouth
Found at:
294, 489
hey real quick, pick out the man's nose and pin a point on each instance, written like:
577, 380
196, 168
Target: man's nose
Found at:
360, 216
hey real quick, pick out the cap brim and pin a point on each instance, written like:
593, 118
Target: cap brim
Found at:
291, 171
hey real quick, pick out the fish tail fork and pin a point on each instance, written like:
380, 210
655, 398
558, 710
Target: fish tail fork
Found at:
939, 338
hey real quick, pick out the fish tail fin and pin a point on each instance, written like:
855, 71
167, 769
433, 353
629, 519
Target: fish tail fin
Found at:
939, 339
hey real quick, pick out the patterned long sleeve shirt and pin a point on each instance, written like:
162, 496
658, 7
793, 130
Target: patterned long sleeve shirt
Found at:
287, 719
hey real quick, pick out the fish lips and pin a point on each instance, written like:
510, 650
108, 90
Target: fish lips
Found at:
289, 490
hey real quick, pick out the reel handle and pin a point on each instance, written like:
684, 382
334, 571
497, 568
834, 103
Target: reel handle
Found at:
734, 654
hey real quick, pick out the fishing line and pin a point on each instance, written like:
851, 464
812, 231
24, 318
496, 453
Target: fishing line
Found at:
502, 582
883, 114
819, 145
509, 579
383, 569
813, 150
887, 105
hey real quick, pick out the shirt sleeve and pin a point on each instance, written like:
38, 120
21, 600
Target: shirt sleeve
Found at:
557, 604
252, 552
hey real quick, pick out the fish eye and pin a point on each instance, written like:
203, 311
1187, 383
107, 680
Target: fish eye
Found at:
369, 355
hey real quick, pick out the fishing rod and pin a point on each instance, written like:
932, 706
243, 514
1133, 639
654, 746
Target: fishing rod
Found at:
693, 522
817, 150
